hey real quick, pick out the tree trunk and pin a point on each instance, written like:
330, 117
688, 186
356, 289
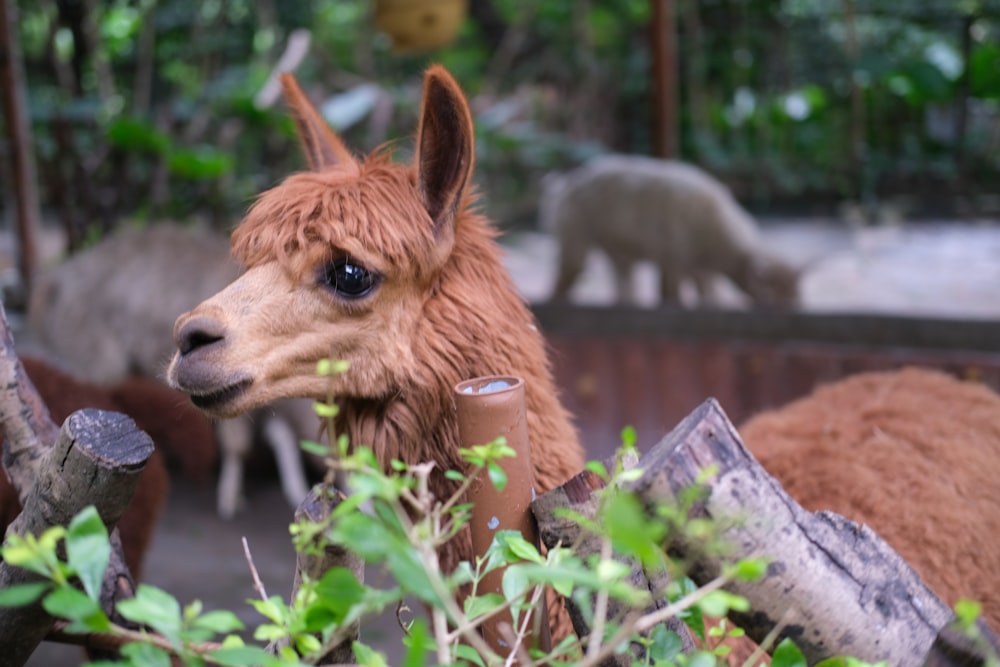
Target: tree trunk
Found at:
15, 107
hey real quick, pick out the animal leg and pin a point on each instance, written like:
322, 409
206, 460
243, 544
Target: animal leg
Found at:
624, 287
285, 445
670, 285
706, 288
572, 255
235, 440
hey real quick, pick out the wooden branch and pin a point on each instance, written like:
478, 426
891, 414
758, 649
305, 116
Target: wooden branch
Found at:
96, 461
29, 439
579, 495
24, 420
13, 93
317, 507
849, 592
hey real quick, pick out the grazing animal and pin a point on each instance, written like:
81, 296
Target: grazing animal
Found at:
915, 455
670, 213
107, 313
387, 267
180, 433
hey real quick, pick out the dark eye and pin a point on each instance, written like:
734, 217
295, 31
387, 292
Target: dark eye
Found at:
351, 281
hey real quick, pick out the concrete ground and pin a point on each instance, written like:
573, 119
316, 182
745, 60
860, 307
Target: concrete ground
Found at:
946, 270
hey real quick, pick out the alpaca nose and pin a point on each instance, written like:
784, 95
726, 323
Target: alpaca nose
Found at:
198, 332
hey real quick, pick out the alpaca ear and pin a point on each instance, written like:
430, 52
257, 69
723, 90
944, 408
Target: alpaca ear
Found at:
321, 145
445, 147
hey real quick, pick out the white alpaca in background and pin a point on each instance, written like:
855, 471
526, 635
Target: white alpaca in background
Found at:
673, 214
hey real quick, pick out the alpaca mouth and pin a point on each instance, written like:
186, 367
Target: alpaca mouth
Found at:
213, 401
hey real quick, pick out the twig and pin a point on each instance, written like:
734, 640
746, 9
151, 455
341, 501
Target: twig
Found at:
257, 583
600, 608
769, 639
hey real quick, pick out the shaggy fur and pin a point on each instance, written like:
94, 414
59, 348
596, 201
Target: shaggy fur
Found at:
673, 214
181, 435
442, 308
915, 454
108, 312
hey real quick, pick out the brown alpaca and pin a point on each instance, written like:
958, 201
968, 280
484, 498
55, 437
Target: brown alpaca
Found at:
388, 267
179, 433
915, 454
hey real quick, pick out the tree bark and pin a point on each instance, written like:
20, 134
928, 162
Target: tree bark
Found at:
847, 591
95, 461
13, 91
108, 453
313, 563
581, 495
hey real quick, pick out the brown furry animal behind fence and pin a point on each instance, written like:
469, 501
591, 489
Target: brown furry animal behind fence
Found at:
915, 454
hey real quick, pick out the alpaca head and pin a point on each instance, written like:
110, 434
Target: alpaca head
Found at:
340, 262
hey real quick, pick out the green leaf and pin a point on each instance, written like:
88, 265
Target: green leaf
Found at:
241, 656
147, 655
518, 546
968, 611
630, 530
482, 604
701, 659
751, 569
787, 654
199, 163
628, 437
306, 644
338, 591
155, 608
368, 657
314, 448
419, 644
219, 622
135, 134
273, 609
22, 594
515, 584
497, 475
469, 654
666, 643
88, 549
718, 603
325, 410
597, 468
70, 603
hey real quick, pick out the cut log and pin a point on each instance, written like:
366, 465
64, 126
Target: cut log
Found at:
579, 495
96, 461
29, 439
846, 591
312, 562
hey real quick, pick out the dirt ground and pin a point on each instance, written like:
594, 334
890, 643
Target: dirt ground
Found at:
944, 270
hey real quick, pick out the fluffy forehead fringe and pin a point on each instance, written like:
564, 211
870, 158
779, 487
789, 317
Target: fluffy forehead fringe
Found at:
313, 216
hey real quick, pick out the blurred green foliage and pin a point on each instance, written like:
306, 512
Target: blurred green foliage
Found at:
146, 108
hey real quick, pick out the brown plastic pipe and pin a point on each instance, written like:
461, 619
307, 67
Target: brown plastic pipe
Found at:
488, 407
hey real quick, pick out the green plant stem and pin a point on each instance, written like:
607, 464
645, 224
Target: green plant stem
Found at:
517, 650
119, 636
440, 622
600, 608
652, 619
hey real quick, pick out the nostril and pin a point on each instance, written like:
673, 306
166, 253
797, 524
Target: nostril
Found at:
198, 332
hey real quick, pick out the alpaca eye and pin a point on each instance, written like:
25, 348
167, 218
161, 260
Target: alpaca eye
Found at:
351, 281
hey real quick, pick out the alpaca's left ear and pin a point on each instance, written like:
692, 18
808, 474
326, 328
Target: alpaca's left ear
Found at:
445, 148
323, 148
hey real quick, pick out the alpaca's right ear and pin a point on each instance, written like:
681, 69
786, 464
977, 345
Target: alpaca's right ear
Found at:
323, 148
